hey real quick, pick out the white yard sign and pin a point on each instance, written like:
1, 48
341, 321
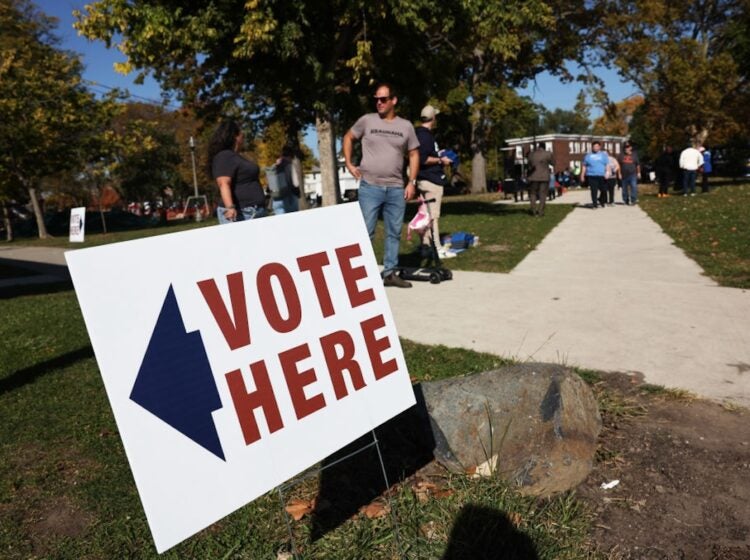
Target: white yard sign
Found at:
77, 224
236, 356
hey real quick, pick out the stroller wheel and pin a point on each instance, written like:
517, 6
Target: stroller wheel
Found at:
435, 278
446, 274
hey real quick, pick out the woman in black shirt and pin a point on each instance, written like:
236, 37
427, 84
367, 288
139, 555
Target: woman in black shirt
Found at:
242, 197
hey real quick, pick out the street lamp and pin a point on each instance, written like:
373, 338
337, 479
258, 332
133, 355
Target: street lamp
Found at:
195, 180
192, 157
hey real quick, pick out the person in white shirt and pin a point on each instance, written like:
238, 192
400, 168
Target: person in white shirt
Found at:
690, 161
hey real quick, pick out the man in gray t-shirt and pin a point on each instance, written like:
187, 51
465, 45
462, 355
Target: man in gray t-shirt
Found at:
386, 139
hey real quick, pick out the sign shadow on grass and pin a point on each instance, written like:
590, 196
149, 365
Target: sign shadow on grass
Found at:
406, 444
30, 374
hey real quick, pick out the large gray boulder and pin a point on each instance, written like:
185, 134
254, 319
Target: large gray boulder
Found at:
535, 425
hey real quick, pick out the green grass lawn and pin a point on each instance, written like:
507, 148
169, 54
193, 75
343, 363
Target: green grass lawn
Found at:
95, 239
506, 232
713, 229
66, 490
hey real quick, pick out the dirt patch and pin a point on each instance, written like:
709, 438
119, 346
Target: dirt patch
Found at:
496, 248
684, 472
43, 506
59, 517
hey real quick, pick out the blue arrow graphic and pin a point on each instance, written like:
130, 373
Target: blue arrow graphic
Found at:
175, 382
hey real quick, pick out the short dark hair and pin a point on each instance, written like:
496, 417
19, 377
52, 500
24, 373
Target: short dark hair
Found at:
391, 89
595, 142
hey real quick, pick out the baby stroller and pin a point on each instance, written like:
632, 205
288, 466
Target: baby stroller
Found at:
432, 270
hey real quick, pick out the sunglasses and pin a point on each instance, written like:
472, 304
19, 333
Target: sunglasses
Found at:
383, 99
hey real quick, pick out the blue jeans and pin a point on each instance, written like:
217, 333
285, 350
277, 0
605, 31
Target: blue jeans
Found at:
596, 184
630, 188
290, 203
373, 199
688, 181
247, 213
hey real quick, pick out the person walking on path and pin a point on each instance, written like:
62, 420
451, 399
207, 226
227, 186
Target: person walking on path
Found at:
690, 161
630, 169
708, 168
665, 171
611, 177
593, 169
431, 176
289, 201
238, 179
539, 162
385, 139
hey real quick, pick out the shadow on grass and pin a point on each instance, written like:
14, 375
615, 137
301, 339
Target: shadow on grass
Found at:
482, 532
20, 290
406, 444
30, 374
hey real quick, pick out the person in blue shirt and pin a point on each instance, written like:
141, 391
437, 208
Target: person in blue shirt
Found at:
707, 167
594, 169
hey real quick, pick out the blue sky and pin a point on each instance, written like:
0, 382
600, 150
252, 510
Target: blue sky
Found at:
99, 60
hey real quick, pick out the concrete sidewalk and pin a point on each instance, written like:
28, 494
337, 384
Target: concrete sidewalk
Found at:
607, 290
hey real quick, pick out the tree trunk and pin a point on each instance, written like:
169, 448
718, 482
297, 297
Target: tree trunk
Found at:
38, 214
478, 173
698, 136
478, 161
7, 223
326, 149
101, 215
304, 204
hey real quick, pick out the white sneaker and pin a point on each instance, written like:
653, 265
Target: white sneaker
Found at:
446, 254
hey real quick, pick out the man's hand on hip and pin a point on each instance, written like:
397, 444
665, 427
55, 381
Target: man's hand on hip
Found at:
354, 171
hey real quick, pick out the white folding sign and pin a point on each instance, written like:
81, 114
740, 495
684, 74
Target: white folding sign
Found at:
77, 225
236, 356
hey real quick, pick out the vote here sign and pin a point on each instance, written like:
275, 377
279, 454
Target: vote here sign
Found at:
236, 356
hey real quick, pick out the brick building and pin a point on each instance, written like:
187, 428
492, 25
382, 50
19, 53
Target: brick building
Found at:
568, 150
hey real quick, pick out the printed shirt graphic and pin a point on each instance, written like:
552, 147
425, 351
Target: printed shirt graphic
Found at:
385, 144
629, 164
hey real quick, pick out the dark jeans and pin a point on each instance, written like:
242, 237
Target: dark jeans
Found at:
609, 192
664, 182
704, 182
688, 181
596, 184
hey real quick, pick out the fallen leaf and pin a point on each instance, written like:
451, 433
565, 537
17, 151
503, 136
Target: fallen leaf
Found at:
429, 531
515, 518
423, 489
443, 493
299, 508
375, 510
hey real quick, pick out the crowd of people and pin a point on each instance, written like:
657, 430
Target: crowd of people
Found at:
387, 141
